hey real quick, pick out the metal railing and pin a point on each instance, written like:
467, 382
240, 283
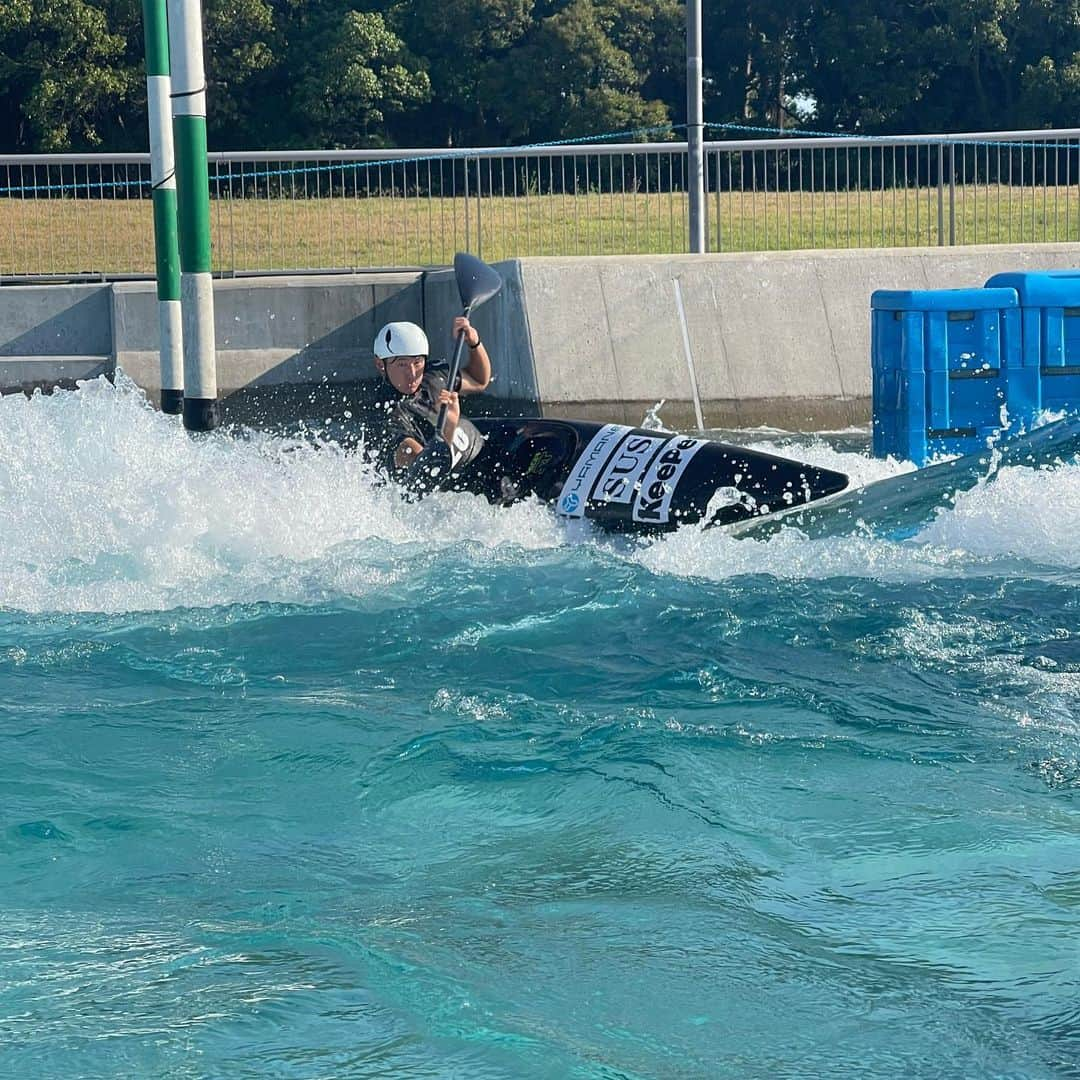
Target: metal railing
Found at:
90, 214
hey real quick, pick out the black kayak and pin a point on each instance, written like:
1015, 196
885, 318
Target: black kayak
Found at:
634, 479
623, 478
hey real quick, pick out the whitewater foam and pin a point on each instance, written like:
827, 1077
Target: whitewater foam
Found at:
108, 505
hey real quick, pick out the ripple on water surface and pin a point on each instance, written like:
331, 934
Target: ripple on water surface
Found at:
300, 780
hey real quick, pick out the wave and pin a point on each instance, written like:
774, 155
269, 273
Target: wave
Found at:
106, 504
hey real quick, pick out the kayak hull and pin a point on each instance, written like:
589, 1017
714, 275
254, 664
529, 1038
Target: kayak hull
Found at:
634, 479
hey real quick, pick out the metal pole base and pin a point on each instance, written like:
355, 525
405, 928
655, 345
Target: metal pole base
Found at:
201, 414
172, 402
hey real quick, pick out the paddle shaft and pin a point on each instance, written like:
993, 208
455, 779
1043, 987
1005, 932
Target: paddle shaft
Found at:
455, 367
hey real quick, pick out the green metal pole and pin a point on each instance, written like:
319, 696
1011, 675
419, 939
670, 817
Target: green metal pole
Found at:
163, 188
193, 209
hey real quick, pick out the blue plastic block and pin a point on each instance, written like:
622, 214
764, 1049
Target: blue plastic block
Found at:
1041, 288
1050, 319
943, 299
944, 363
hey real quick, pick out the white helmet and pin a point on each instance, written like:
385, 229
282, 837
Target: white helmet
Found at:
400, 339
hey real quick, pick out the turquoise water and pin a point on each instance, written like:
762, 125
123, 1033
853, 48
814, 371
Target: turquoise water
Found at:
300, 781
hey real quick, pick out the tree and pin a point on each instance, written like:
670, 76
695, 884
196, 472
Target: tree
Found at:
653, 33
67, 80
870, 64
464, 44
239, 53
942, 65
1047, 43
753, 55
568, 79
287, 73
341, 73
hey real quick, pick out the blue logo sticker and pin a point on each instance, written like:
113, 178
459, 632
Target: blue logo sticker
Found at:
570, 503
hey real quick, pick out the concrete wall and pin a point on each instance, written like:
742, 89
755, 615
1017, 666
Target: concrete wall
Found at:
311, 329
287, 346
503, 325
52, 334
776, 338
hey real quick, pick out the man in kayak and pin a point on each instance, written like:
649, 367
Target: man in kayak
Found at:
414, 390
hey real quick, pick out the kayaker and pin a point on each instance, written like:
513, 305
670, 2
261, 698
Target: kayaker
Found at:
414, 390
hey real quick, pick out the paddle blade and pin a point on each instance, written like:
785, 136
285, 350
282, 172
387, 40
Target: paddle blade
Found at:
476, 281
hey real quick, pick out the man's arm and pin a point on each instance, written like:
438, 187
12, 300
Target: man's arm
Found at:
476, 372
405, 453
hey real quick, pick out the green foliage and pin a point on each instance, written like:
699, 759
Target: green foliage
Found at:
870, 66
942, 65
65, 79
239, 49
568, 78
348, 71
1052, 91
465, 45
653, 34
315, 73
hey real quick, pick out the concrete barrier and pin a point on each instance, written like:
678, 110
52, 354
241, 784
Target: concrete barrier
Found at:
287, 345
297, 330
54, 335
779, 338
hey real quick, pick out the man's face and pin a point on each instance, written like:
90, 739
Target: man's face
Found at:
404, 372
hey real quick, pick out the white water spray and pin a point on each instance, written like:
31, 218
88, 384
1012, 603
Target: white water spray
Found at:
107, 505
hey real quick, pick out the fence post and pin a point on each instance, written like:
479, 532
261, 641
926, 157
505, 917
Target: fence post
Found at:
479, 212
719, 218
468, 245
941, 194
694, 127
952, 194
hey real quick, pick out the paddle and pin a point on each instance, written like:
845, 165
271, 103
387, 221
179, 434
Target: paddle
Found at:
477, 283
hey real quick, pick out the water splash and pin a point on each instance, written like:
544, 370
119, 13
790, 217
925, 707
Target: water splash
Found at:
652, 421
108, 505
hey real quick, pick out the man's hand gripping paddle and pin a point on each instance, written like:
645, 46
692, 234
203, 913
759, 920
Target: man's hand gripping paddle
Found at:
477, 283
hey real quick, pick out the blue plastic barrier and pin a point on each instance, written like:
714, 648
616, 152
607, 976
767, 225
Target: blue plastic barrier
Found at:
1050, 318
944, 363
